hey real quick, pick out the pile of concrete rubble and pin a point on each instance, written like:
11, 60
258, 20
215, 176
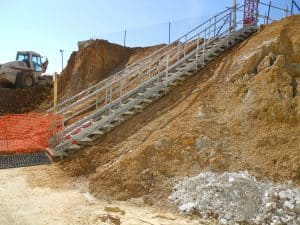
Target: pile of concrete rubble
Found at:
235, 198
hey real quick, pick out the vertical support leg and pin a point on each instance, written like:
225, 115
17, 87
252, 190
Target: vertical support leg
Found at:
97, 97
204, 46
184, 50
149, 68
197, 52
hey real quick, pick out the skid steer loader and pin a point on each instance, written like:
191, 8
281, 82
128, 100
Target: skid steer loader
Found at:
26, 71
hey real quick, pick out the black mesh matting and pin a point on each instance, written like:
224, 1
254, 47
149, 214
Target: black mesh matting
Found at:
21, 160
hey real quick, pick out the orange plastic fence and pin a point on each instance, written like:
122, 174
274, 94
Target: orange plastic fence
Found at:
24, 133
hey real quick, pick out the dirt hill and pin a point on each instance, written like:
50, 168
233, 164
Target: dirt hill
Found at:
22, 100
95, 62
242, 112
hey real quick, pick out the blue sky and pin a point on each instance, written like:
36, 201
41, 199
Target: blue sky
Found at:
49, 25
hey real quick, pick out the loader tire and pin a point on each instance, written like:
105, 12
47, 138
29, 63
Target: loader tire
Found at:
24, 80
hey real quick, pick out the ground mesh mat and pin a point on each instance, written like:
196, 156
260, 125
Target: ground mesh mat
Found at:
22, 160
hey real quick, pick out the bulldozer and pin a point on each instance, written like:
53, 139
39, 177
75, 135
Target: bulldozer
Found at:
26, 71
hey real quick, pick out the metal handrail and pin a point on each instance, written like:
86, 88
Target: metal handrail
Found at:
144, 59
155, 66
118, 79
160, 74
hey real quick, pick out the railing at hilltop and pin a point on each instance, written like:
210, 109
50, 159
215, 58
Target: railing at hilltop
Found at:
295, 6
100, 98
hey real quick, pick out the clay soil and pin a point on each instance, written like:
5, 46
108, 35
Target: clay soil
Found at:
14, 100
242, 112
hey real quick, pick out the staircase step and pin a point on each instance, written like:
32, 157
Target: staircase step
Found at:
138, 107
173, 84
118, 119
181, 78
108, 125
74, 147
156, 95
147, 100
188, 73
98, 132
86, 139
128, 113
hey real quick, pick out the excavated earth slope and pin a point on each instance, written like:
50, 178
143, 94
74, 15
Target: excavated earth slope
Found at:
242, 112
22, 100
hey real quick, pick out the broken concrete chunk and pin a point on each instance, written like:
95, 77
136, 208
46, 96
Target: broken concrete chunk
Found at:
283, 195
288, 204
238, 198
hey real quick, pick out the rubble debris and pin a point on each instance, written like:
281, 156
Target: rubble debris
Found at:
238, 198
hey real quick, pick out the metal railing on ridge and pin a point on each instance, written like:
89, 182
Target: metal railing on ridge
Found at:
102, 97
181, 43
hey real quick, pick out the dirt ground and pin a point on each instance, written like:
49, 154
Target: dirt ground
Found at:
14, 100
45, 195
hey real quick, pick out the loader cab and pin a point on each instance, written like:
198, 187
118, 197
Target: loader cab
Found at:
33, 60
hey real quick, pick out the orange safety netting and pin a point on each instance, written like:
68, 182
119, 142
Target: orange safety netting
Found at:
25, 133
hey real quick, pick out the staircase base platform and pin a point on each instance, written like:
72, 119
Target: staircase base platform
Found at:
22, 160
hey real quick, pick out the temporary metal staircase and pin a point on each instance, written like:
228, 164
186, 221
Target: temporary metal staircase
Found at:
98, 109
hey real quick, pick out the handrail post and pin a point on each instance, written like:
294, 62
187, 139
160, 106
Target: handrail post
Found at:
197, 52
121, 92
167, 70
97, 97
230, 22
204, 46
158, 70
215, 26
209, 28
178, 50
184, 49
269, 12
149, 67
62, 128
106, 93
234, 15
110, 96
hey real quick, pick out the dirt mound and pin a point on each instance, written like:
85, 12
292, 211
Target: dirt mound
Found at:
242, 112
22, 100
94, 62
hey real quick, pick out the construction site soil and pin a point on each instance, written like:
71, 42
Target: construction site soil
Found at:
241, 112
14, 100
